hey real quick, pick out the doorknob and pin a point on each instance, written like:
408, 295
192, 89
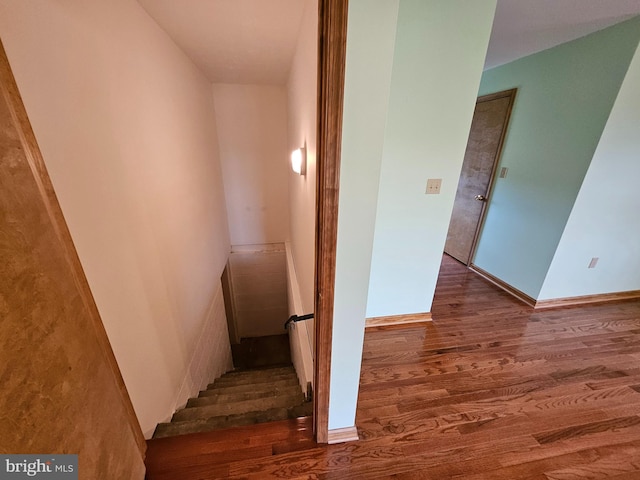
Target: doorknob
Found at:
481, 198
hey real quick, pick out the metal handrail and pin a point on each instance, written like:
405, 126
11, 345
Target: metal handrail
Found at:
296, 318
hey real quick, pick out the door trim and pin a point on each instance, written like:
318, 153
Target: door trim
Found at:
511, 94
332, 40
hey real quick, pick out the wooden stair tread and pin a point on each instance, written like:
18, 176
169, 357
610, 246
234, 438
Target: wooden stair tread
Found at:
227, 421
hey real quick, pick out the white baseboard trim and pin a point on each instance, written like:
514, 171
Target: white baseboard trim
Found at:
341, 435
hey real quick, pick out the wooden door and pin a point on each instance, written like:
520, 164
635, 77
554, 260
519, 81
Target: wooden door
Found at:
486, 137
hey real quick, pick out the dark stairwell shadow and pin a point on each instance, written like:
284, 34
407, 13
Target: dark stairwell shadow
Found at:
262, 352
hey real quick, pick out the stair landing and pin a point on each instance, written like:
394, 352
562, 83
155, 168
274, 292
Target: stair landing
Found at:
262, 352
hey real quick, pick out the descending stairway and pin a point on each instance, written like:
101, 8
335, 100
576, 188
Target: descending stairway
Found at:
238, 398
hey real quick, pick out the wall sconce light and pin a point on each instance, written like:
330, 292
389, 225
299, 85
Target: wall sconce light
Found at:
299, 161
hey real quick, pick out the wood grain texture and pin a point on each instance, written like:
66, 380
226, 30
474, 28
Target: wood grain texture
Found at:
484, 147
229, 308
332, 40
340, 435
397, 320
61, 388
556, 302
587, 299
491, 389
504, 286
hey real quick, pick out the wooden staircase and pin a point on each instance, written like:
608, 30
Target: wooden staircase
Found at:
238, 398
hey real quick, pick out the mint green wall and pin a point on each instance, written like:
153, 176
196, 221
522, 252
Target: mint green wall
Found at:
605, 220
439, 54
371, 32
401, 78
564, 98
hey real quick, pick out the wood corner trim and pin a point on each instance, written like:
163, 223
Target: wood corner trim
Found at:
502, 94
587, 299
332, 47
407, 319
341, 435
556, 302
523, 297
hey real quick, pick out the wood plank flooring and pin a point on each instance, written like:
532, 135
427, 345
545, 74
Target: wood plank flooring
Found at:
490, 390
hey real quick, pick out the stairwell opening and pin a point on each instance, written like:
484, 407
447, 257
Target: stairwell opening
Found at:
264, 385
257, 291
256, 302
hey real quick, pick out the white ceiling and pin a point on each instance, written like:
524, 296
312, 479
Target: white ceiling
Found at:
233, 41
523, 27
253, 41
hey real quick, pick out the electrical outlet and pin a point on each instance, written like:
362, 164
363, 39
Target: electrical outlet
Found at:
593, 262
433, 186
503, 172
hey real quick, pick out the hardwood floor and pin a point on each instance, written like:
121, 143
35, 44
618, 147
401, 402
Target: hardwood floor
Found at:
490, 390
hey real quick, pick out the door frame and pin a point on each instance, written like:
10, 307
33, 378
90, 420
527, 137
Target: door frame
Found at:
332, 41
511, 94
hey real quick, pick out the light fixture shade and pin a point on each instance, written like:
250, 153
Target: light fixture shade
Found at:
299, 161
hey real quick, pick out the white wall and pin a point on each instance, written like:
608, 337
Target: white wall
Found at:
211, 356
126, 126
436, 73
410, 92
301, 108
605, 220
565, 95
371, 33
301, 334
252, 133
301, 116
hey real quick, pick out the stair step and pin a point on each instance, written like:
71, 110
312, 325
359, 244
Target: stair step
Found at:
268, 391
216, 410
227, 421
253, 376
243, 397
257, 371
248, 387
